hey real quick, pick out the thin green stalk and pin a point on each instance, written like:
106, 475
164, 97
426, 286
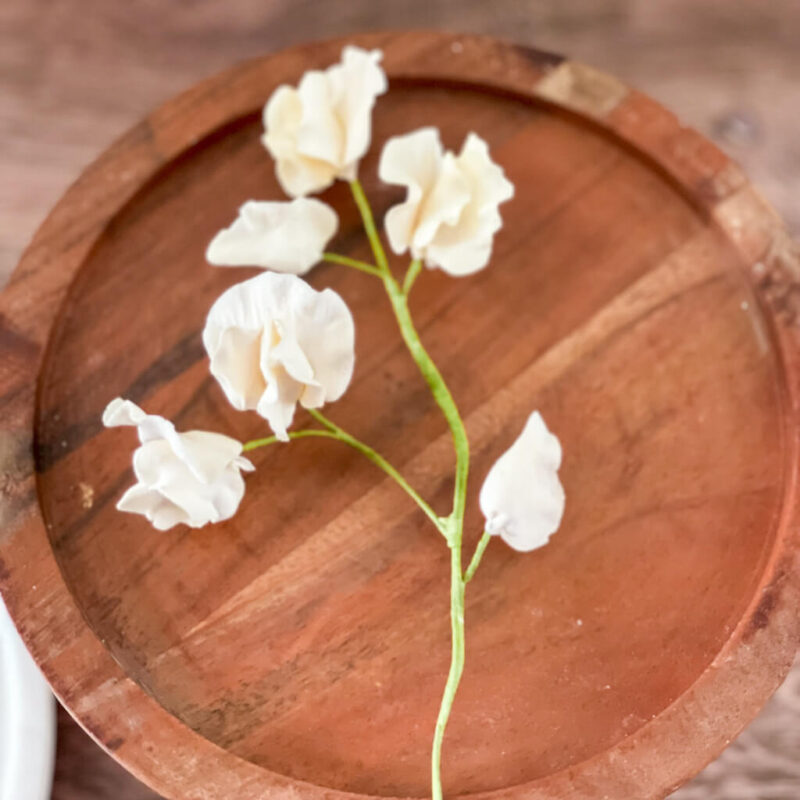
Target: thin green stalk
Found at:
253, 444
477, 556
346, 261
369, 226
424, 362
414, 269
333, 431
440, 391
457, 586
454, 524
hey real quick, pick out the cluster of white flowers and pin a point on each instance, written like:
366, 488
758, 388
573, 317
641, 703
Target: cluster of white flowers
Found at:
274, 341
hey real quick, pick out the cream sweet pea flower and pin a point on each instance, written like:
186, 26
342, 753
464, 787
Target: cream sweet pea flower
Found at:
274, 341
449, 217
190, 478
319, 131
283, 236
522, 497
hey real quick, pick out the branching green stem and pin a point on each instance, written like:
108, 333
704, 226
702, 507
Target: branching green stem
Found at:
369, 226
457, 654
379, 461
454, 524
477, 556
254, 444
441, 394
333, 431
414, 268
346, 261
426, 365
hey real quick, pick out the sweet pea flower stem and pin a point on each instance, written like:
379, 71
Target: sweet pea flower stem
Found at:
346, 261
377, 459
369, 226
333, 431
454, 524
254, 444
477, 556
441, 394
424, 362
457, 657
413, 273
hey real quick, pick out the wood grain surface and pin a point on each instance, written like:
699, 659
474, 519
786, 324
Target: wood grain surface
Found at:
155, 85
77, 73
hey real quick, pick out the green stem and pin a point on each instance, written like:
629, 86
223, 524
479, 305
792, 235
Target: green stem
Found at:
369, 226
457, 586
414, 269
253, 444
335, 432
477, 556
424, 362
346, 261
377, 459
453, 528
441, 394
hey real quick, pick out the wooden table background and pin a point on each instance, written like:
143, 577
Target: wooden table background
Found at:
74, 74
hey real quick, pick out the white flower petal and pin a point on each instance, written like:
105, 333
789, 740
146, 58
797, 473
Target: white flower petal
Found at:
194, 499
357, 84
165, 515
190, 478
236, 354
462, 258
283, 114
160, 512
207, 454
282, 236
522, 497
321, 136
325, 331
298, 174
442, 206
286, 354
319, 131
227, 493
450, 214
412, 161
277, 405
489, 183
148, 460
138, 499
274, 341
121, 412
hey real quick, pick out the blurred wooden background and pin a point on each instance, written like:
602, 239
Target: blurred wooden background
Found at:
74, 74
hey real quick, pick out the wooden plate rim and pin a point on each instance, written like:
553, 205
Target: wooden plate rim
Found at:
148, 740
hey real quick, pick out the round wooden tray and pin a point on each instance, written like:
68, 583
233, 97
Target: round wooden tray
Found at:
641, 295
